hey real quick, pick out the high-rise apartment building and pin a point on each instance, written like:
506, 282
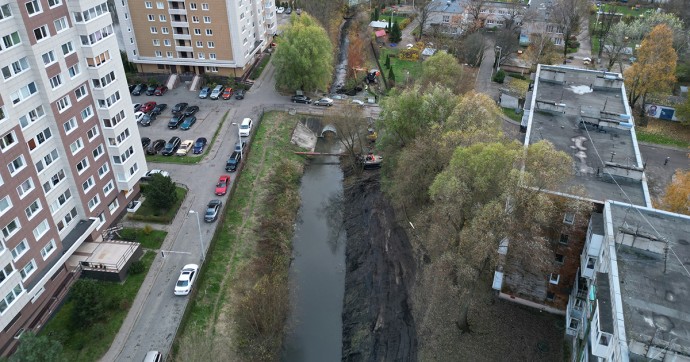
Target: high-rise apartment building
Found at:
215, 36
70, 152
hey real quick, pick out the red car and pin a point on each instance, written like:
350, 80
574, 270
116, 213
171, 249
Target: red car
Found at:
222, 185
227, 94
160, 90
147, 107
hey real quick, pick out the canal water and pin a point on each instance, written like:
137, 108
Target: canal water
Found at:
317, 272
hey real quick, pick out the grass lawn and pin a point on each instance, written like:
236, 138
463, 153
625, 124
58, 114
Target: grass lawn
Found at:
190, 159
400, 67
512, 115
151, 214
664, 133
149, 240
89, 344
233, 243
256, 73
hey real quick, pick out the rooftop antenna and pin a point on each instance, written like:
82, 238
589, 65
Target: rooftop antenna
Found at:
666, 247
605, 102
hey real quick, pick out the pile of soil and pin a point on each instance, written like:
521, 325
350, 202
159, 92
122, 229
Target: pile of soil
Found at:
377, 318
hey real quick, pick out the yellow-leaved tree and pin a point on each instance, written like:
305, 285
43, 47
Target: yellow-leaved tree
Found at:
654, 71
677, 196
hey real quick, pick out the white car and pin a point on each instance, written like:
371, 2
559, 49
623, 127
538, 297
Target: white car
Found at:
149, 175
139, 116
186, 280
280, 10
246, 127
358, 102
185, 147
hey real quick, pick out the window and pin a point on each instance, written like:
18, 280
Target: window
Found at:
54, 3
67, 48
212, 69
96, 36
558, 41
15, 68
113, 205
28, 269
47, 160
11, 40
209, 32
160, 5
591, 262
48, 249
82, 165
19, 250
33, 7
103, 170
31, 117
166, 42
54, 181
201, 55
61, 200
63, 103
74, 71
550, 296
123, 157
197, 31
195, 19
159, 54
204, 6
88, 184
61, 24
76, 146
40, 138
110, 101
563, 239
86, 113
446, 18
207, 19
133, 169
112, 122
211, 44
199, 44
55, 81
148, 4
70, 125
115, 141
8, 140
98, 60
162, 18
554, 278
16, 165
211, 55
33, 209
94, 202
569, 218
604, 340
98, 152
48, 58
560, 258
156, 42
5, 204
92, 133
24, 93
108, 188
67, 219
90, 14
41, 33
154, 30
103, 81
5, 11
6, 272
11, 228
165, 30
151, 17
192, 6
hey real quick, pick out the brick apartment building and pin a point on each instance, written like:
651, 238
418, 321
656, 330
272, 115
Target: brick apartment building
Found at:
70, 150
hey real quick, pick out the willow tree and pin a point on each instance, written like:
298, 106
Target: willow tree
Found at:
304, 57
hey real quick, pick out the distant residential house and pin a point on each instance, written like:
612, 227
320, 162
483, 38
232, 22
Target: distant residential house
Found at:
453, 16
539, 22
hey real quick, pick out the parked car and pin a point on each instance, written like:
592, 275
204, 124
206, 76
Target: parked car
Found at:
159, 108
204, 92
298, 11
188, 123
139, 89
138, 116
190, 111
149, 175
145, 141
179, 108
147, 107
147, 119
326, 102
171, 147
131, 87
216, 92
137, 107
176, 121
160, 90
288, 10
358, 102
233, 162
151, 89
199, 145
280, 10
246, 127
300, 99
186, 279
212, 210
222, 185
185, 147
153, 356
239, 94
155, 147
239, 146
227, 93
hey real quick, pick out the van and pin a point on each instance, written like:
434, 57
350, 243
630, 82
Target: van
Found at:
233, 162
153, 356
246, 127
215, 94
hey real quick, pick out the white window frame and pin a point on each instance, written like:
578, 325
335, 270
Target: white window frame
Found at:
51, 247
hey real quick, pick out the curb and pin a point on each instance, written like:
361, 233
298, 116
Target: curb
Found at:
666, 147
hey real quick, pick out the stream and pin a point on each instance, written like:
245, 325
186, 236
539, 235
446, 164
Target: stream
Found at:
317, 272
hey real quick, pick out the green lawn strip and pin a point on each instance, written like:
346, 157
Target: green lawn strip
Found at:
150, 214
510, 112
190, 159
260, 68
659, 139
153, 239
400, 66
89, 344
220, 263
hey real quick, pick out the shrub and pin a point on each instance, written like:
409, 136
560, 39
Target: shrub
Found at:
409, 54
147, 229
89, 304
500, 76
404, 23
137, 267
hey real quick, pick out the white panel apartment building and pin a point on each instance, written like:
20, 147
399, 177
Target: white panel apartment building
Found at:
216, 36
70, 152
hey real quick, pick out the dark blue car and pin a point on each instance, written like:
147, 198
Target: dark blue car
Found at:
199, 145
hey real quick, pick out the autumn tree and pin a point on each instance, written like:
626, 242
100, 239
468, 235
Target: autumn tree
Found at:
681, 37
568, 16
677, 195
475, 10
655, 67
304, 57
541, 49
442, 69
355, 54
683, 112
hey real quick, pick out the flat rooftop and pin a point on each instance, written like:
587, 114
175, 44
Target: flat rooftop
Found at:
655, 286
585, 114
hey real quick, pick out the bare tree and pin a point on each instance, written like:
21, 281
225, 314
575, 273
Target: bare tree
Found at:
617, 42
605, 21
425, 9
475, 16
568, 16
351, 128
508, 41
514, 14
472, 49
541, 49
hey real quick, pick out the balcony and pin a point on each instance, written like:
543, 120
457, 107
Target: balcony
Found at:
180, 23
182, 36
178, 11
183, 48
